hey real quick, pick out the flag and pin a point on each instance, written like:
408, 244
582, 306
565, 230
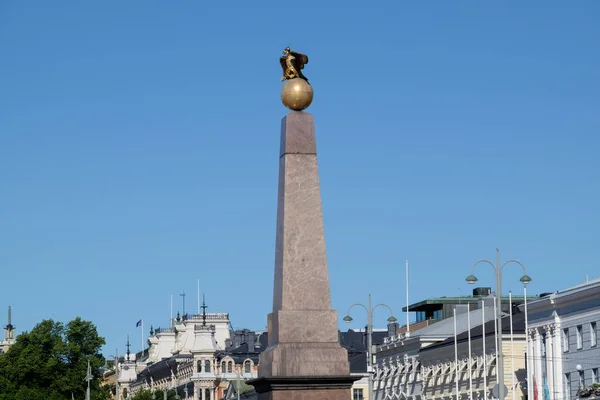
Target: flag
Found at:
138, 324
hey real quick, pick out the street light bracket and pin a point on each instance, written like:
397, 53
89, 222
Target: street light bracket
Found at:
386, 306
482, 261
356, 304
525, 278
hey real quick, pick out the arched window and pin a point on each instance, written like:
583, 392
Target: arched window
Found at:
125, 393
247, 367
229, 367
223, 367
199, 365
207, 366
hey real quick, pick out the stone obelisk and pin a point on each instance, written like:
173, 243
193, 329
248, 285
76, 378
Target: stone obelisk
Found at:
304, 359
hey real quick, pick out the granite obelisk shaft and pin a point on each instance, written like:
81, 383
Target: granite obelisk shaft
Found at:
304, 351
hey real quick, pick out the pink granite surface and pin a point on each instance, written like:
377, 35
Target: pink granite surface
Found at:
303, 333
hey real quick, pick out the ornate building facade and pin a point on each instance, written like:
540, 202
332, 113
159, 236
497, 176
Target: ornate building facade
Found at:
190, 357
564, 357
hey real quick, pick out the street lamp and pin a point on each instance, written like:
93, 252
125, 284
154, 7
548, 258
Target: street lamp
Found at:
116, 357
525, 279
370, 310
579, 368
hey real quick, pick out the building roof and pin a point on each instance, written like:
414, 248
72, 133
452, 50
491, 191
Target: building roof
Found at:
445, 327
576, 293
518, 327
424, 305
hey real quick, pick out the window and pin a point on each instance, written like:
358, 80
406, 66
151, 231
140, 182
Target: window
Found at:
594, 375
566, 339
199, 365
207, 366
206, 393
357, 394
581, 379
543, 346
567, 386
579, 337
230, 367
247, 367
593, 334
223, 367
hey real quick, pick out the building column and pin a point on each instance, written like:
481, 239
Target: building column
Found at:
537, 362
529, 362
557, 363
549, 362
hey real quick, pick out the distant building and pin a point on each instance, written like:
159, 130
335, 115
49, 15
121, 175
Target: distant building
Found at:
186, 357
564, 356
475, 374
10, 336
438, 308
399, 368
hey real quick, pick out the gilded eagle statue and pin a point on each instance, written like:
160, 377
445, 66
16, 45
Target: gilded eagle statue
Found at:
292, 64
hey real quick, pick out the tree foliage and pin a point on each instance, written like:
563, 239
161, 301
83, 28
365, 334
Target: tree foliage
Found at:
50, 363
156, 395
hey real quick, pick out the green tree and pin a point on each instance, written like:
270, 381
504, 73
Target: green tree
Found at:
156, 395
50, 363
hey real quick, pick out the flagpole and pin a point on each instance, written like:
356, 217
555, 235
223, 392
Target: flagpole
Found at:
117, 397
527, 363
496, 337
469, 343
512, 346
407, 315
484, 356
142, 354
455, 355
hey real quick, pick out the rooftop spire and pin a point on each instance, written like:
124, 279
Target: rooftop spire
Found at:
9, 326
128, 345
203, 310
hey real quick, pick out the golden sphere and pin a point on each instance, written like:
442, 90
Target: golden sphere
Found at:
296, 94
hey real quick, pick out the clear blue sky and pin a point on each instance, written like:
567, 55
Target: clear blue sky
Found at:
139, 151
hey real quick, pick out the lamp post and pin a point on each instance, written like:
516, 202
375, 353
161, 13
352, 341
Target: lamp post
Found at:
370, 310
525, 279
116, 357
88, 378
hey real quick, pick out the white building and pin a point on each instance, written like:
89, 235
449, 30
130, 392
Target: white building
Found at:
564, 357
421, 365
188, 357
476, 373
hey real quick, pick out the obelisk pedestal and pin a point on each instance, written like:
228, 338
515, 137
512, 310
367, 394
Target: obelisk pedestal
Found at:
304, 359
